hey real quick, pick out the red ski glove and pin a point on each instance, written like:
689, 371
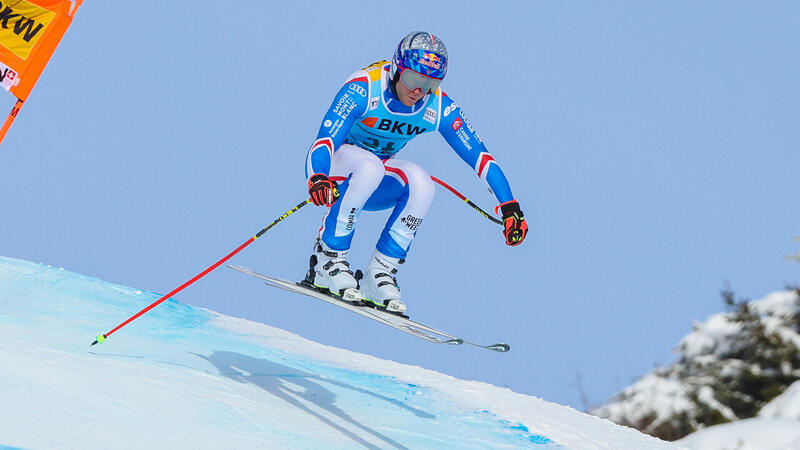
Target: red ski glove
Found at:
323, 190
514, 226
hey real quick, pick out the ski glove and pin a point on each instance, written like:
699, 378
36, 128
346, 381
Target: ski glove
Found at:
514, 226
323, 190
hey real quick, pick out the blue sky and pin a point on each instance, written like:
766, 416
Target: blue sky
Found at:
653, 148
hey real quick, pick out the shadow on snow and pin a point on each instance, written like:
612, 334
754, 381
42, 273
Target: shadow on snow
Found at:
283, 382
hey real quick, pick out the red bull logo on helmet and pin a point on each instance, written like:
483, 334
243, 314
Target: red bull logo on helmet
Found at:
426, 62
431, 60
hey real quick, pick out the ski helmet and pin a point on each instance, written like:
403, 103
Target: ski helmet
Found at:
424, 54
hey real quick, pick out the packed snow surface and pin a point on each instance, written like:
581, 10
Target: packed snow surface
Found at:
748, 434
784, 406
185, 377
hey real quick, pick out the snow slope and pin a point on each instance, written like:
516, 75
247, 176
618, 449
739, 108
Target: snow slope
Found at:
184, 377
784, 406
748, 434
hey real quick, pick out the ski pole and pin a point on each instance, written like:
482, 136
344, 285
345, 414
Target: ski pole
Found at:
468, 201
100, 339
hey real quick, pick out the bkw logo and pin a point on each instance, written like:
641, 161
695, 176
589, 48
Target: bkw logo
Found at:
23, 27
395, 126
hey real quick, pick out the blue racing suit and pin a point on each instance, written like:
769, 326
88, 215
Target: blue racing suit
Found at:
367, 114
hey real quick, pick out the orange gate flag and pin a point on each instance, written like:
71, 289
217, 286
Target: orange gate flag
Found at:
30, 31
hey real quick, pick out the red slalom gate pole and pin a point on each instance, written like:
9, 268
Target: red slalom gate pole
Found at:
101, 338
468, 201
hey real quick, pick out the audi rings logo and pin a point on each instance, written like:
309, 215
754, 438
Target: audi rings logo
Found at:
358, 89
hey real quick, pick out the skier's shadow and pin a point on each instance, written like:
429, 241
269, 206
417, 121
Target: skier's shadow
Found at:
293, 385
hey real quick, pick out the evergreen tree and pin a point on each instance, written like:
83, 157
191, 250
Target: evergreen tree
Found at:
750, 360
768, 363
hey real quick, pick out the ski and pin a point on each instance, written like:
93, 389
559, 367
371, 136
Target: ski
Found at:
394, 320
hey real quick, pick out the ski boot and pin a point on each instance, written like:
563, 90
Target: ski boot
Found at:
378, 284
330, 272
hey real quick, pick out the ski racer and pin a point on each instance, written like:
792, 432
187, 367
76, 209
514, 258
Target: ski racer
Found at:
351, 167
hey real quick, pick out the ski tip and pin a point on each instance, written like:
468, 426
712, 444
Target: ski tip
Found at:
456, 341
99, 340
502, 348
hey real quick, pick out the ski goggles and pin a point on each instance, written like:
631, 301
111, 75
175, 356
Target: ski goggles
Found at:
413, 79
